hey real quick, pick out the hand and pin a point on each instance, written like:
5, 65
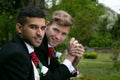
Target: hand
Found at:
72, 46
78, 54
71, 50
75, 49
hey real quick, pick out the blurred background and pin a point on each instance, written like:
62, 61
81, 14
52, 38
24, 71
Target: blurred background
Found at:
96, 26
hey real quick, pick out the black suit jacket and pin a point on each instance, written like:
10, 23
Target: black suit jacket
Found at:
15, 62
56, 70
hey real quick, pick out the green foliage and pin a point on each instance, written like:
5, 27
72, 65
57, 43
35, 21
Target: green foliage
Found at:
62, 47
7, 27
116, 57
9, 6
116, 53
85, 14
90, 21
116, 30
90, 55
116, 44
116, 65
101, 42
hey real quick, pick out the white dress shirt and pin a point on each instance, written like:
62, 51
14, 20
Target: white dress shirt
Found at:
30, 50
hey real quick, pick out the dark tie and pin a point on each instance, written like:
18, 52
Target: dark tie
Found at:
51, 52
34, 58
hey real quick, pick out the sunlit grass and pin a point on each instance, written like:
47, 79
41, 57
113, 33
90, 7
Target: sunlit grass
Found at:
98, 69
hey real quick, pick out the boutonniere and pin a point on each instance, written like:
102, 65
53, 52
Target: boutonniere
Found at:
57, 55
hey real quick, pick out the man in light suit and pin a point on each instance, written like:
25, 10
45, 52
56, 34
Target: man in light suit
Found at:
56, 32
15, 61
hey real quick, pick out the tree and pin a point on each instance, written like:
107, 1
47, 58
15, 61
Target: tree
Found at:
38, 3
7, 27
103, 35
115, 31
85, 14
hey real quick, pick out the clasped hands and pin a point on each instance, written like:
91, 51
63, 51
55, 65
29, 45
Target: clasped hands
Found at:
75, 51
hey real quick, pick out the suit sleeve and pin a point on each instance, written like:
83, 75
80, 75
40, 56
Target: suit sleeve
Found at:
14, 64
57, 71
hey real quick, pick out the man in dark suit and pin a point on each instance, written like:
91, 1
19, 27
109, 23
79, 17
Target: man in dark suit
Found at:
56, 32
15, 61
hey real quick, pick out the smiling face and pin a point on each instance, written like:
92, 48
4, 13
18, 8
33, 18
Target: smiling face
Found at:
56, 33
32, 31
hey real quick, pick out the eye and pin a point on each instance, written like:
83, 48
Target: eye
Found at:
33, 26
64, 34
56, 30
43, 27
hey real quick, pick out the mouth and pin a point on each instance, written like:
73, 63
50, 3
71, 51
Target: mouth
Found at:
38, 40
54, 41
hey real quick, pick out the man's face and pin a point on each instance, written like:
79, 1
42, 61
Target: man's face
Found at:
56, 34
33, 31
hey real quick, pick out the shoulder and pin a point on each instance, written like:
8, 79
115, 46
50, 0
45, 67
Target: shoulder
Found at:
12, 49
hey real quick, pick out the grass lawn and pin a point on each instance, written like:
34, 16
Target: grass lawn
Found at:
98, 69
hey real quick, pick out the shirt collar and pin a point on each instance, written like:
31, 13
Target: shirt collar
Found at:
49, 45
30, 49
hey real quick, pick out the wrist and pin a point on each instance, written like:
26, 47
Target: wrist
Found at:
70, 58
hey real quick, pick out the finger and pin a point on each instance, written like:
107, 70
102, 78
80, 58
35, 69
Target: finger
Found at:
78, 48
78, 54
77, 45
80, 45
75, 51
72, 40
75, 42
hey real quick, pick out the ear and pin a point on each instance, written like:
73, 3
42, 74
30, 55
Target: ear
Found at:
47, 23
19, 28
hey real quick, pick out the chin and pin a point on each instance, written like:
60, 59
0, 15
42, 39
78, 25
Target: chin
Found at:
54, 45
37, 45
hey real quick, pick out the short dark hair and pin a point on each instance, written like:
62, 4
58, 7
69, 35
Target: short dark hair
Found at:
29, 12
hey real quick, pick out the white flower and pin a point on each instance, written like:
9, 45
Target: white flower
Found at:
58, 54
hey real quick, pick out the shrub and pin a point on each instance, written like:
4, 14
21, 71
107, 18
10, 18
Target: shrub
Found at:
116, 54
116, 65
90, 55
101, 42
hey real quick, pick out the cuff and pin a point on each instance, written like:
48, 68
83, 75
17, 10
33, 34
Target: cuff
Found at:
69, 65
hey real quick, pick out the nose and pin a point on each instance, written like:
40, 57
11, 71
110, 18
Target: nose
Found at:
40, 32
58, 36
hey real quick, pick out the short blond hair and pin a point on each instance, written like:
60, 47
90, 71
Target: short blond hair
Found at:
62, 18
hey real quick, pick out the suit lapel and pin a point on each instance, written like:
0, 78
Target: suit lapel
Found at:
42, 52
